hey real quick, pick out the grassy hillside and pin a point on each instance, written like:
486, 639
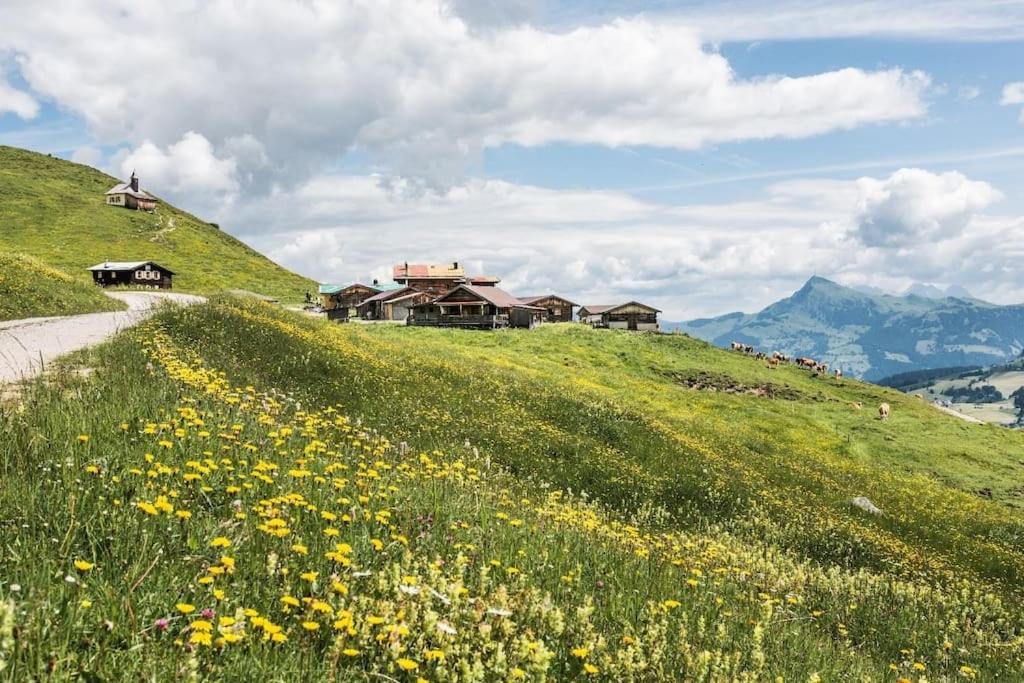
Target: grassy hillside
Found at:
30, 288
271, 496
54, 210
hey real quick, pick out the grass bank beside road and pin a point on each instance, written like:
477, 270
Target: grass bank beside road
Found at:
30, 289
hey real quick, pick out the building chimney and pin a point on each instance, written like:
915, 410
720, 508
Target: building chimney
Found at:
375, 283
134, 182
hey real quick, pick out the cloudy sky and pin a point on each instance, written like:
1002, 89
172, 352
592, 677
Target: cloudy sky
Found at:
700, 156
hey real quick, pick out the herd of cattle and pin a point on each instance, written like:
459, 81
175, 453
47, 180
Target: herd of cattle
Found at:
775, 359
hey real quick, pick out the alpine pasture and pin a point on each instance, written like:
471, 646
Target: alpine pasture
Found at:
235, 492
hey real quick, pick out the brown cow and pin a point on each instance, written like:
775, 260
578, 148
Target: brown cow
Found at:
883, 411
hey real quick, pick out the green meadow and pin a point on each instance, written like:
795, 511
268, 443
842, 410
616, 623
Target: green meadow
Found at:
31, 289
54, 210
231, 491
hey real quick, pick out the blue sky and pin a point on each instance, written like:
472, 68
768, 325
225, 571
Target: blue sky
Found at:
706, 157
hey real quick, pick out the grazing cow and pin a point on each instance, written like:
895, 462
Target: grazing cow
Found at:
806, 362
839, 374
773, 363
748, 349
821, 368
857, 405
736, 346
883, 411
760, 355
781, 357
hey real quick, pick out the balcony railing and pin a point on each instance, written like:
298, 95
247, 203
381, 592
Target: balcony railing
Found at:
435, 319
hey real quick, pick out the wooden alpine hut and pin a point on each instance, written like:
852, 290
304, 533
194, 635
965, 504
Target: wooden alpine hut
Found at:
132, 274
129, 196
631, 315
483, 307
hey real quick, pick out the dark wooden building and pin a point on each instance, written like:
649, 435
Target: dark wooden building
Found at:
631, 315
131, 273
557, 309
342, 302
395, 304
484, 307
438, 280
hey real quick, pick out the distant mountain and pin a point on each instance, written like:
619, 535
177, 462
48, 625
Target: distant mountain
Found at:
934, 292
874, 335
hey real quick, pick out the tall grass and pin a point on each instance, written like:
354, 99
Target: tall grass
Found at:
177, 513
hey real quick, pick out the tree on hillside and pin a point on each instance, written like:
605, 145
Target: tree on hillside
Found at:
1018, 403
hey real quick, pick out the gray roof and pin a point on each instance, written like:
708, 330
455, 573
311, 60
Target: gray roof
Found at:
534, 299
386, 295
125, 265
126, 188
636, 303
596, 310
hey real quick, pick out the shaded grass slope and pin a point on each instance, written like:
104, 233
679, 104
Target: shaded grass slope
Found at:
31, 289
54, 210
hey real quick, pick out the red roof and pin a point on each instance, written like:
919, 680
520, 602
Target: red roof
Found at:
404, 271
492, 295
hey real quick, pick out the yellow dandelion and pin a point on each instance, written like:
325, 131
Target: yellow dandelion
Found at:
220, 542
83, 566
201, 638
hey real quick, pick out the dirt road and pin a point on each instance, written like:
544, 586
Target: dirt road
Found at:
28, 346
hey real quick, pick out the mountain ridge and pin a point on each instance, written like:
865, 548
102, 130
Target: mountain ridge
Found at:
873, 335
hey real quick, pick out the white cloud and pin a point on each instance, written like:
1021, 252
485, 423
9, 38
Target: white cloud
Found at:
602, 246
752, 20
967, 93
914, 206
16, 102
88, 155
1013, 94
187, 168
411, 84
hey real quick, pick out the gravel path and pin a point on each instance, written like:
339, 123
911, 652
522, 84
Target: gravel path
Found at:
957, 413
28, 346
